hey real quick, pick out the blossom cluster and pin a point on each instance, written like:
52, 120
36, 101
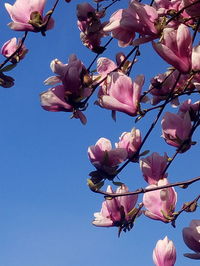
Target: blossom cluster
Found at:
170, 27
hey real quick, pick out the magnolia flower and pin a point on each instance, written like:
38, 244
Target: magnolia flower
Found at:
192, 108
105, 66
73, 89
164, 6
138, 18
164, 254
192, 10
103, 156
196, 58
130, 141
160, 204
163, 84
116, 211
175, 47
153, 166
176, 129
27, 15
120, 93
10, 47
90, 26
191, 237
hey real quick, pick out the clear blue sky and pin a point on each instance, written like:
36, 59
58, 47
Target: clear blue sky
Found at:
46, 209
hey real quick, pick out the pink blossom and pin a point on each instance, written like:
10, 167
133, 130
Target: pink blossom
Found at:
191, 237
164, 6
130, 141
162, 85
153, 166
84, 11
193, 10
73, 89
28, 16
137, 18
188, 106
105, 66
164, 254
116, 211
176, 129
90, 26
160, 204
10, 47
121, 94
103, 156
175, 47
121, 27
196, 58
54, 100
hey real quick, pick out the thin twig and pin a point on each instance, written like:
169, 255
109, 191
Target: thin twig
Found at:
183, 184
98, 54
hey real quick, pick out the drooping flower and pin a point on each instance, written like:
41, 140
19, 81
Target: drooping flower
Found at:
164, 254
116, 211
27, 15
160, 204
191, 237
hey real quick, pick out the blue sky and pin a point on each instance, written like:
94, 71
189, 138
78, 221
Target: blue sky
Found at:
46, 208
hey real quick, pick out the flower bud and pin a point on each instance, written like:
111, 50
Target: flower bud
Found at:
164, 254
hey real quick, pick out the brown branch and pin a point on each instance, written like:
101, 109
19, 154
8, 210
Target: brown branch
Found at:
50, 13
186, 207
183, 184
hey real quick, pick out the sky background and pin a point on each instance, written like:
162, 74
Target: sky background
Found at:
46, 208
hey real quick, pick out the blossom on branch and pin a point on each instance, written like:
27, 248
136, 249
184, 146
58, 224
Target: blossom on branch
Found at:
120, 93
27, 15
130, 141
191, 237
75, 82
164, 254
176, 129
104, 157
10, 48
91, 28
163, 84
137, 18
153, 166
160, 204
175, 47
116, 211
